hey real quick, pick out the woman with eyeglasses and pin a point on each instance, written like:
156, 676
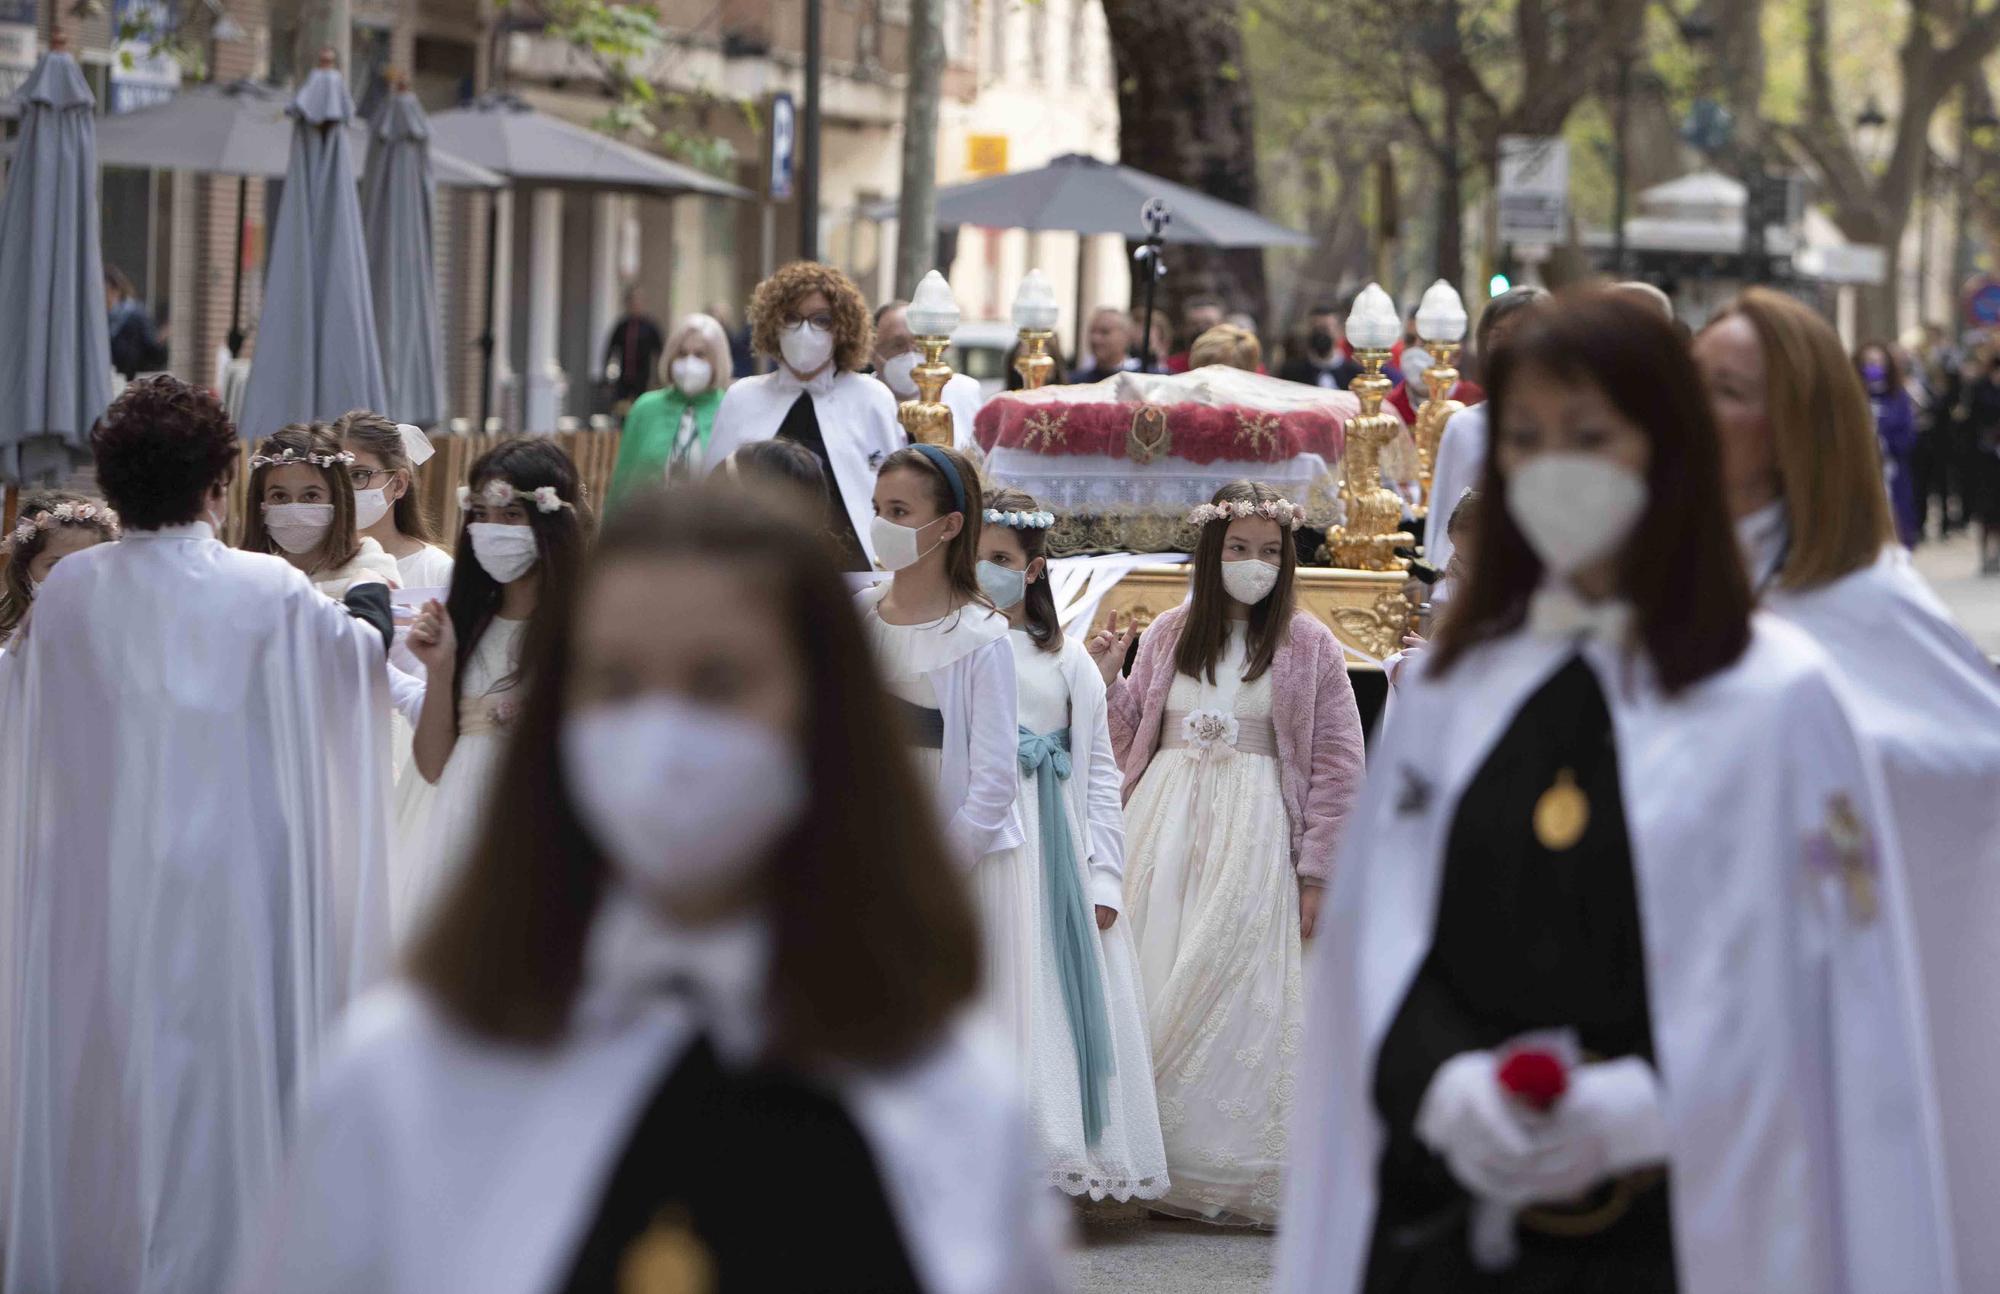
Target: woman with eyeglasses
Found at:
387, 508
813, 321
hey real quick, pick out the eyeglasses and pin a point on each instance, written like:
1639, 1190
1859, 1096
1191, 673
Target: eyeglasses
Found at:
822, 321
364, 477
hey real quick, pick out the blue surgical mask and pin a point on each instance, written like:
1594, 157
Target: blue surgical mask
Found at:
1874, 374
1004, 585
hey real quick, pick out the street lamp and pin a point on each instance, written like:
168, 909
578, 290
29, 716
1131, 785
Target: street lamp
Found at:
1871, 131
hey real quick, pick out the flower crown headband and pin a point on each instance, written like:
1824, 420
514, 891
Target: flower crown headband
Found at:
288, 455
1020, 520
1283, 511
497, 493
64, 514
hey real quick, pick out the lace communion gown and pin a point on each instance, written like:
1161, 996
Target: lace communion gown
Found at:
1213, 902
1024, 987
437, 824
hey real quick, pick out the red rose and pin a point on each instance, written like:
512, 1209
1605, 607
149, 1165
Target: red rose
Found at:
1534, 1077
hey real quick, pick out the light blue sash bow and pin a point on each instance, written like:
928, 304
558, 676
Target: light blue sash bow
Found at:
1072, 928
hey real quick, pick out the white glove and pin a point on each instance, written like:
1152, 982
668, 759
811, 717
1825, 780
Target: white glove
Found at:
1476, 1128
1607, 1124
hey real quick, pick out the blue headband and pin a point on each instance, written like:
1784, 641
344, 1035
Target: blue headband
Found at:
942, 461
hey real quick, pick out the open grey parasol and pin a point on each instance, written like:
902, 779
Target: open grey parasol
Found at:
55, 349
396, 207
317, 355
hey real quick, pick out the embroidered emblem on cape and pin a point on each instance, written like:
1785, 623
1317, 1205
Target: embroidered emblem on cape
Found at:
1843, 850
1149, 438
667, 1258
875, 460
1415, 794
1562, 814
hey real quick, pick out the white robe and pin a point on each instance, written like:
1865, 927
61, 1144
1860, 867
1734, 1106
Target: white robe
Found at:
192, 842
857, 420
1923, 695
978, 781
1461, 459
1802, 1134
431, 1161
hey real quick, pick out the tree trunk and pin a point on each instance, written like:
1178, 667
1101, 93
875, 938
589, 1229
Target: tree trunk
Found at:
916, 206
1185, 114
1451, 198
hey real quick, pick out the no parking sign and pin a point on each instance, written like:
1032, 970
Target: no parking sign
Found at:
1982, 302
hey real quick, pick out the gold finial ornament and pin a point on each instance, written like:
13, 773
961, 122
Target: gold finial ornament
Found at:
926, 417
1035, 365
1035, 314
1370, 538
1438, 407
1562, 813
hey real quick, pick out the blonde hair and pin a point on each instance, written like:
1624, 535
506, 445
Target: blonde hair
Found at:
1829, 465
714, 341
1226, 344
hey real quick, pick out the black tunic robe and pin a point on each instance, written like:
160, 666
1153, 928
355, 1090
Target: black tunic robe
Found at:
801, 424
1527, 938
767, 1173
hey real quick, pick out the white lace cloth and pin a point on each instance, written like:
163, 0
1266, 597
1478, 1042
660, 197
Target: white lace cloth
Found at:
1024, 995
1214, 908
1097, 483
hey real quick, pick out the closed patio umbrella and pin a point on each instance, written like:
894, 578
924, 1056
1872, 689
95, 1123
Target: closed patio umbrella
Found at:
55, 349
317, 355
396, 206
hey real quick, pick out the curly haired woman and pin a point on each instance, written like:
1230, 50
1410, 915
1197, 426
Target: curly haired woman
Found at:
812, 320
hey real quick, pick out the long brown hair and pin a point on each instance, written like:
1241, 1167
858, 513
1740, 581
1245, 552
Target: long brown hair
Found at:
1039, 602
341, 544
1207, 623
875, 943
961, 554
381, 437
1679, 569
1829, 463
16, 555
474, 596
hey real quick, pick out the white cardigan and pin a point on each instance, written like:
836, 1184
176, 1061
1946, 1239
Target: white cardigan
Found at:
979, 780
857, 420
1096, 784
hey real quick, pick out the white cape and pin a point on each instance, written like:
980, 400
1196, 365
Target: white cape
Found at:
1802, 1132
1930, 704
431, 1161
191, 847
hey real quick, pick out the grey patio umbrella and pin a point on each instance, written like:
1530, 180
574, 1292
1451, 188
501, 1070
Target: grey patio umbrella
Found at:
317, 355
55, 348
505, 135
1083, 195
243, 129
396, 197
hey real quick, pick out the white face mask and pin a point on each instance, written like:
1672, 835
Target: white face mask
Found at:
1003, 584
692, 374
899, 374
1575, 509
504, 552
298, 527
806, 348
896, 546
370, 506
684, 798
1249, 581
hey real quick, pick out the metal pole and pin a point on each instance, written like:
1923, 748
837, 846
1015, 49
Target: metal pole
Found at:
236, 293
809, 138
1152, 278
1619, 178
1961, 261
486, 337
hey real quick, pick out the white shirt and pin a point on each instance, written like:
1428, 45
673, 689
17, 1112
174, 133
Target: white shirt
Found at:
1461, 460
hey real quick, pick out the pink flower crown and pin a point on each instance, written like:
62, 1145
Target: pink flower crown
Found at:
498, 494
287, 456
64, 514
1283, 511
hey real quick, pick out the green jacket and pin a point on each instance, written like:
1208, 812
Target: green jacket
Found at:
648, 442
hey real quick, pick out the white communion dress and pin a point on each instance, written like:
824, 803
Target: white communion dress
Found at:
1214, 908
1024, 913
437, 824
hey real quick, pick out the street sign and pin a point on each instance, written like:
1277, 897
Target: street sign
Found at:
784, 146
1534, 189
1982, 302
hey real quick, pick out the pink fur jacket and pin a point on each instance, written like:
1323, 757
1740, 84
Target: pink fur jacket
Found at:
1312, 708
